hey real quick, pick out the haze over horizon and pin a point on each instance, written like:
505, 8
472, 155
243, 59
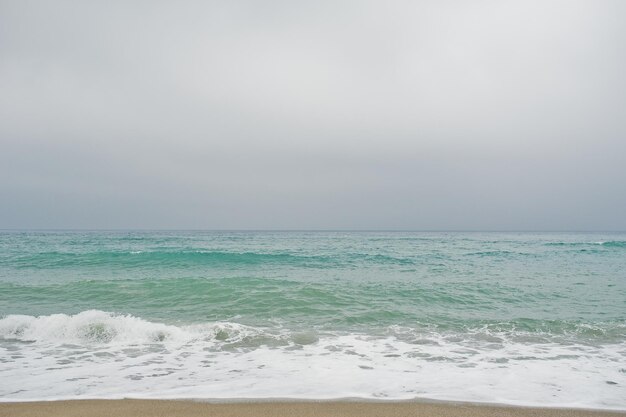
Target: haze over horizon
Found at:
427, 115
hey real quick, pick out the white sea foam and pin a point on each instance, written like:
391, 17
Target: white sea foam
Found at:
95, 327
97, 354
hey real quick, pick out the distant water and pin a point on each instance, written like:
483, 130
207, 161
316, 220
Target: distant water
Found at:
518, 318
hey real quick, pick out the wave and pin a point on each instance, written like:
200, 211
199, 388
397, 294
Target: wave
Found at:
100, 327
614, 244
189, 258
499, 254
87, 326
138, 258
608, 244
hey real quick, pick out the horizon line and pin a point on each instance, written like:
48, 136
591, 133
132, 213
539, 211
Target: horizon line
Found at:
311, 230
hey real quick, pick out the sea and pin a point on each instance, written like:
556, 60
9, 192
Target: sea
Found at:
533, 319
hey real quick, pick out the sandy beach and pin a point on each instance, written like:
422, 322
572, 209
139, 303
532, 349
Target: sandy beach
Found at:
157, 408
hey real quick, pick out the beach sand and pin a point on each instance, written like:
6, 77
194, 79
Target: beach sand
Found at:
159, 408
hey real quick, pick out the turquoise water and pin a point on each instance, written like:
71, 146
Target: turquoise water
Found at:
556, 299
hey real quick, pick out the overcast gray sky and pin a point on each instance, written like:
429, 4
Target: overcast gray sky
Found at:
481, 115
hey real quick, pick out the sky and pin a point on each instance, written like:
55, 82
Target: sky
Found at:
408, 115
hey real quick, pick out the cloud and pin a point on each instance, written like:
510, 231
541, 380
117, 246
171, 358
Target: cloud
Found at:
419, 115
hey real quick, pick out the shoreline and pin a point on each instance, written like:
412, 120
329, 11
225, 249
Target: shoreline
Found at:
285, 407
288, 400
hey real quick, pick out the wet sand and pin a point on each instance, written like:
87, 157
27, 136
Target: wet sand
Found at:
159, 408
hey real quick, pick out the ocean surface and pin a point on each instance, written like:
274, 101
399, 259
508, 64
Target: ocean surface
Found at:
516, 318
